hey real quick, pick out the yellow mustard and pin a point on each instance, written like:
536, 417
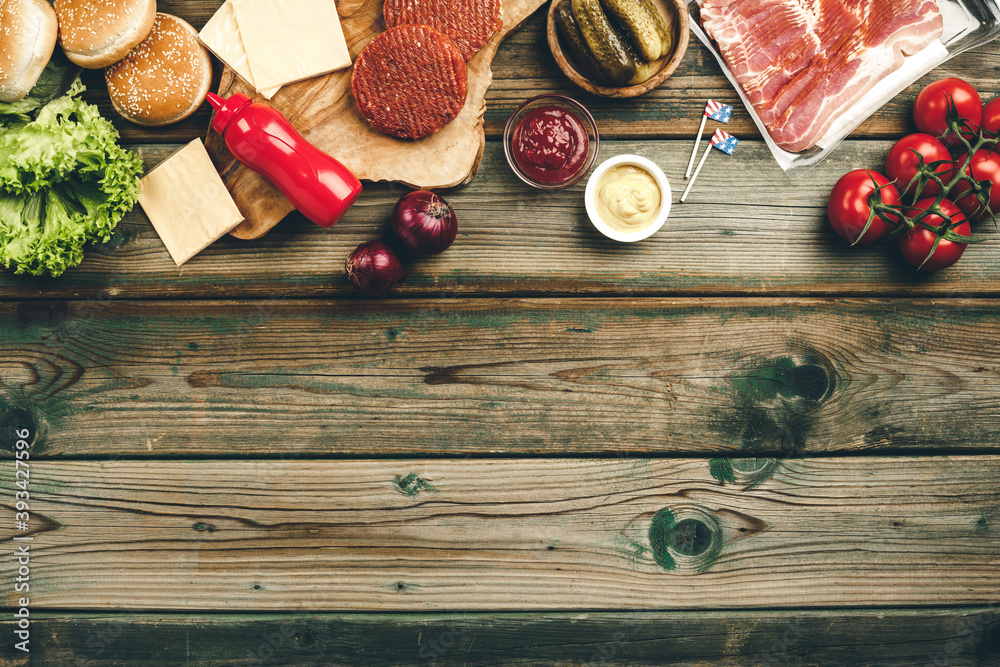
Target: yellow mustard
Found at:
627, 198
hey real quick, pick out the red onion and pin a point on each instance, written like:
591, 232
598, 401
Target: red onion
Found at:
373, 268
424, 222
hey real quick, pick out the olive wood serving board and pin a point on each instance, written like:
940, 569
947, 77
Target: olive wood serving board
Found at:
324, 111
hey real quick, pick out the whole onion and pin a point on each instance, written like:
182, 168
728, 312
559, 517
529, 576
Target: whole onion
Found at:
373, 268
424, 222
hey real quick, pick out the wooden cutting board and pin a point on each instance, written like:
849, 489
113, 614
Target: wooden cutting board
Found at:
323, 110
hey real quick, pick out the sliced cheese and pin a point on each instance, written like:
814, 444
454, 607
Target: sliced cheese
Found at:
187, 202
221, 36
291, 40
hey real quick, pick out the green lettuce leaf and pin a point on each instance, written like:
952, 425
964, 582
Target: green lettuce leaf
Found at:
64, 180
54, 81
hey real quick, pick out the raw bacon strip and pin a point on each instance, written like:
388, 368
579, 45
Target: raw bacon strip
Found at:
469, 23
802, 63
410, 81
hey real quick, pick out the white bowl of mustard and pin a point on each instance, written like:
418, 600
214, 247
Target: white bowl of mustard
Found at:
628, 198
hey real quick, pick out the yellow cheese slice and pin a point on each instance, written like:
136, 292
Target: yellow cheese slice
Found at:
291, 40
187, 202
221, 36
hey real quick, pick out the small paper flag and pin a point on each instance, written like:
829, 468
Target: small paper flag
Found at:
721, 140
719, 112
724, 141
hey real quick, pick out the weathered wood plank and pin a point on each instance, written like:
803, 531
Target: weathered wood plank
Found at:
525, 67
526, 376
888, 637
746, 230
494, 535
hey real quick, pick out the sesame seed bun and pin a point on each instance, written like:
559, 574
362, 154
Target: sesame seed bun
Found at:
28, 33
98, 33
165, 78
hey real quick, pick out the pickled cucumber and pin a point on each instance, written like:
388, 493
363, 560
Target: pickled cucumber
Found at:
637, 24
606, 45
642, 73
589, 66
666, 41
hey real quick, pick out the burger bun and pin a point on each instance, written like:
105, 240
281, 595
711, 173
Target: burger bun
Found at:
98, 33
28, 31
165, 78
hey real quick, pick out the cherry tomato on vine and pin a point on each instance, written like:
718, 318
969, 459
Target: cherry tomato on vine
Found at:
901, 165
848, 208
991, 117
984, 166
916, 244
930, 111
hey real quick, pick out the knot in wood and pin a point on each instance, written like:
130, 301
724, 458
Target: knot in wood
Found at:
685, 539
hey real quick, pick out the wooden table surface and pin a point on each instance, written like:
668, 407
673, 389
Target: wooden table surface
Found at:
738, 441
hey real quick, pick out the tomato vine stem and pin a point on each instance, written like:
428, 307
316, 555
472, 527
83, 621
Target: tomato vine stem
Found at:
896, 214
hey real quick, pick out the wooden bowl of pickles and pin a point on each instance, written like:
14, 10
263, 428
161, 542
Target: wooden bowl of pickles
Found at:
618, 48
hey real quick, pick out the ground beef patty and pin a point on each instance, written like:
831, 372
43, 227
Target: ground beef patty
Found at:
469, 23
410, 81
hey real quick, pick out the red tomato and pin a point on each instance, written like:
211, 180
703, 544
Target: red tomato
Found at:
901, 165
930, 111
916, 244
991, 116
848, 206
984, 166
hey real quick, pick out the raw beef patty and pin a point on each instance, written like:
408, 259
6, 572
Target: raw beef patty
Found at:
410, 81
469, 23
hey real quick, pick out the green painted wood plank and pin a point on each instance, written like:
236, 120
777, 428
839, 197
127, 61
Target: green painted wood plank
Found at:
968, 636
556, 534
746, 377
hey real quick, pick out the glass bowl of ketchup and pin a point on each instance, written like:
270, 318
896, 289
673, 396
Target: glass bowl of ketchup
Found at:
551, 142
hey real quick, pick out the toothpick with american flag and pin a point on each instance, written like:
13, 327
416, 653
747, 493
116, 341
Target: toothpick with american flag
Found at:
722, 141
715, 111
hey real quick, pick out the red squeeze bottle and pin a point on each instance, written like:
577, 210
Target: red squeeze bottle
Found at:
262, 138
